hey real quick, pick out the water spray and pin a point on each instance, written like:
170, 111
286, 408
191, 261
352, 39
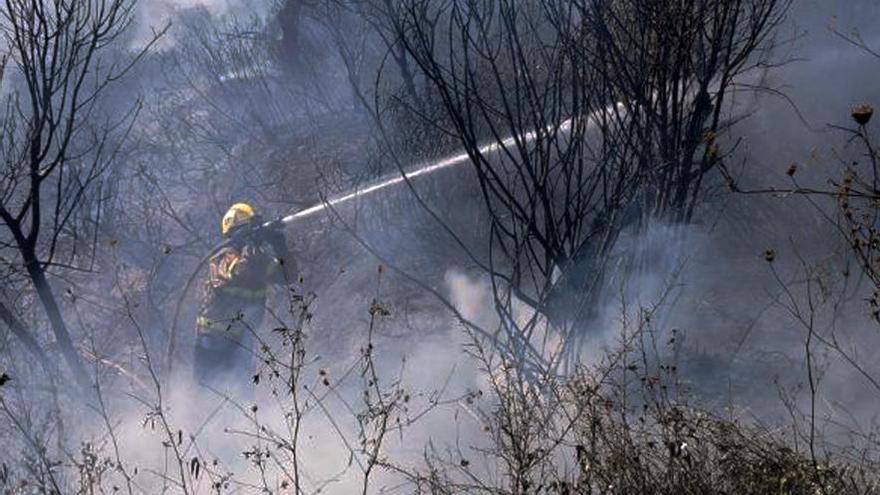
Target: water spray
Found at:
397, 178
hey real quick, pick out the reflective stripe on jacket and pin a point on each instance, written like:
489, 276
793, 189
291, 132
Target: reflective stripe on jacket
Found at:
234, 294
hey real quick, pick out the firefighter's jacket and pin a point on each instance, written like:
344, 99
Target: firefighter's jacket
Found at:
234, 296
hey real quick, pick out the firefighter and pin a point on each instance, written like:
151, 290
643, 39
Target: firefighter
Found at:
234, 297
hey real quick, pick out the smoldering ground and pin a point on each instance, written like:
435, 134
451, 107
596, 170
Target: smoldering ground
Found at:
737, 346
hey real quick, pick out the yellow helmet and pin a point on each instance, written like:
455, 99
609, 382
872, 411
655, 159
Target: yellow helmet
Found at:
238, 214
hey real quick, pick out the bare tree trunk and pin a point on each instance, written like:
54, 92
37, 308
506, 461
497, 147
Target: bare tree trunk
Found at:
59, 327
47, 298
289, 18
30, 343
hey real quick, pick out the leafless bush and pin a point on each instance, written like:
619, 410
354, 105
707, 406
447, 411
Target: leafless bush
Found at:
626, 425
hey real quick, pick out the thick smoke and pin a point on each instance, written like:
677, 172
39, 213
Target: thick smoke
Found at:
736, 345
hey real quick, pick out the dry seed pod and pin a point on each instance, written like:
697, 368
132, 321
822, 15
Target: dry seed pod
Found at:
862, 113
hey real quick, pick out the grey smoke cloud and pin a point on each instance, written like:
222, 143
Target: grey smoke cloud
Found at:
152, 15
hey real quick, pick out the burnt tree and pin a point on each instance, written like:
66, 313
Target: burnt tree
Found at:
582, 119
57, 143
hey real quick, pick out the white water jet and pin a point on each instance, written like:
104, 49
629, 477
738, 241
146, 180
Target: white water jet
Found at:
426, 169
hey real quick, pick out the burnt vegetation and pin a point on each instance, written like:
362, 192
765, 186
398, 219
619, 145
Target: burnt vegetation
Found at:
517, 321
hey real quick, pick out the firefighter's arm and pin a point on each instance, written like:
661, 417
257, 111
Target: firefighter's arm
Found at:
225, 266
246, 268
284, 268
